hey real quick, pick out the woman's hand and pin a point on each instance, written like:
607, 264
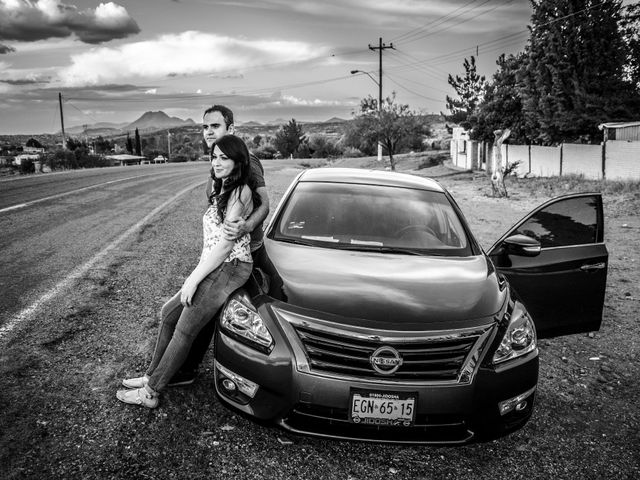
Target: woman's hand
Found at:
187, 291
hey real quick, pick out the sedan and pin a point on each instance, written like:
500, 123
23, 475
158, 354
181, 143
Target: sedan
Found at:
374, 314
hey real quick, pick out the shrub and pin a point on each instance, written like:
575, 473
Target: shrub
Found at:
352, 152
432, 161
178, 158
27, 166
265, 152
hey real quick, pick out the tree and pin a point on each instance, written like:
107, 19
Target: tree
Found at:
289, 138
129, 144
138, 146
497, 167
102, 145
470, 90
394, 126
573, 77
502, 104
630, 26
32, 142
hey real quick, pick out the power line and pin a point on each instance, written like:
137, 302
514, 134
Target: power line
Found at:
412, 91
421, 84
434, 32
405, 36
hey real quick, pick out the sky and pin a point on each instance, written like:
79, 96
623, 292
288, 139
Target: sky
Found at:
265, 59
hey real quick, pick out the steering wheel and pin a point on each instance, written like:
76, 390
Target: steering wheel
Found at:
404, 231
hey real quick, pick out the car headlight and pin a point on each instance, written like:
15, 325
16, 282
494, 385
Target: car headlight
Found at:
241, 320
520, 337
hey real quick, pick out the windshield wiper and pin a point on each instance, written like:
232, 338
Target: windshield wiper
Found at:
377, 249
297, 241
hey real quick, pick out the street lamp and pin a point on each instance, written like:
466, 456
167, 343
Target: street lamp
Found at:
353, 72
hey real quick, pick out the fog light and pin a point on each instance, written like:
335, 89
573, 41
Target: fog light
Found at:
521, 406
516, 403
245, 386
228, 385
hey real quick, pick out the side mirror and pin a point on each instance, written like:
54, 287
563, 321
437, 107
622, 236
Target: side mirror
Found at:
522, 245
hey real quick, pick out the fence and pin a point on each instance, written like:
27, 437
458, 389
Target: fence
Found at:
613, 160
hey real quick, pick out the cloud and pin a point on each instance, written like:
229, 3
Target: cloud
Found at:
190, 52
291, 100
22, 81
6, 49
28, 21
230, 76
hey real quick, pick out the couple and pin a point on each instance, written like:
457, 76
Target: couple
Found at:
232, 227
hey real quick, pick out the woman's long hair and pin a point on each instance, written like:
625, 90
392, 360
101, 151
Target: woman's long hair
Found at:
235, 149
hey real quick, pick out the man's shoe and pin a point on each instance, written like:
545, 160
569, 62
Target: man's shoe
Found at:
180, 379
145, 397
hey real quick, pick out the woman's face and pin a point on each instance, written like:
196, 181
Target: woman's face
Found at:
222, 165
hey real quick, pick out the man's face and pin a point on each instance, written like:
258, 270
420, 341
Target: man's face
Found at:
213, 127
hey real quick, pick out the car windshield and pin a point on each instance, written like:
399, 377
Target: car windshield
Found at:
372, 218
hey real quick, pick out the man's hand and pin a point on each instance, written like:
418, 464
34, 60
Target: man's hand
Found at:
234, 229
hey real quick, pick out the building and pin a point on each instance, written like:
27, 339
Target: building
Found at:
629, 131
125, 159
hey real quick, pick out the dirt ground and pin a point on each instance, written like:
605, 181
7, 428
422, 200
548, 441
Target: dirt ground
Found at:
59, 417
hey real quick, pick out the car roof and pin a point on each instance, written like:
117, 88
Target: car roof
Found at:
369, 177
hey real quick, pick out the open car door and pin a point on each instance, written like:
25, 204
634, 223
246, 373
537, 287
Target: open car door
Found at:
556, 261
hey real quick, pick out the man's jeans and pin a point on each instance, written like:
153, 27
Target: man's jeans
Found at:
180, 325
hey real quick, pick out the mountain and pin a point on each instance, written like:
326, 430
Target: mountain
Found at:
80, 129
157, 121
251, 123
336, 120
278, 121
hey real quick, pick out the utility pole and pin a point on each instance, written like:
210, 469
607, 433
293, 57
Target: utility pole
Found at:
64, 139
168, 145
381, 46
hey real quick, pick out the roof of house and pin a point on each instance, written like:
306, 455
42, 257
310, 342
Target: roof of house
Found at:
618, 124
125, 156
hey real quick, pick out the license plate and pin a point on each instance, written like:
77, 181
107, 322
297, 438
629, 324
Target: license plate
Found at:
382, 408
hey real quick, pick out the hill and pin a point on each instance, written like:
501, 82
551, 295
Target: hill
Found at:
157, 121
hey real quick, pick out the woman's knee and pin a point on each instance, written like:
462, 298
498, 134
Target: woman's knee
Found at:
171, 309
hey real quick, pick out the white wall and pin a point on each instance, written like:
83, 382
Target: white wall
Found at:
545, 161
622, 160
582, 160
519, 153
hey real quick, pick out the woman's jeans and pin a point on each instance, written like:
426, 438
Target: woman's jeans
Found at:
180, 325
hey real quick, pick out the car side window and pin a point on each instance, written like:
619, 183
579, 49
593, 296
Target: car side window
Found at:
572, 221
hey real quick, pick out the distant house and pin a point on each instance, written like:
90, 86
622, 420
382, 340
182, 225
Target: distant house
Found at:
629, 131
32, 150
125, 159
26, 156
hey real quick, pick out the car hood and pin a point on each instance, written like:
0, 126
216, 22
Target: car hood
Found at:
392, 289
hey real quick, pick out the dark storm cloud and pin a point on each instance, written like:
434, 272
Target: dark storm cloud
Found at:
6, 49
24, 81
25, 21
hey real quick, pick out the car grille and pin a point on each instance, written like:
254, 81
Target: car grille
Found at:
333, 422
437, 358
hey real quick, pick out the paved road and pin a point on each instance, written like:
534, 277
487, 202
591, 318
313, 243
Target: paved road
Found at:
51, 225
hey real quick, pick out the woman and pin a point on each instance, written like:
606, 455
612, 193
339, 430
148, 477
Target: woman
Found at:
224, 266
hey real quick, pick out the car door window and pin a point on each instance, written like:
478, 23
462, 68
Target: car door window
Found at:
570, 222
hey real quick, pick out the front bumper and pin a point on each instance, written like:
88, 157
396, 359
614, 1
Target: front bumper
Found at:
303, 401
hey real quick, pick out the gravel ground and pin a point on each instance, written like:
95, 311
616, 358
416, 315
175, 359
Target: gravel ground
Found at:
59, 417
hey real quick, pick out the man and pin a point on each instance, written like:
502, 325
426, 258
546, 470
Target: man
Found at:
218, 121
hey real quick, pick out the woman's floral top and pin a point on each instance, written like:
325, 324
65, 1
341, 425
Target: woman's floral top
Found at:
212, 230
